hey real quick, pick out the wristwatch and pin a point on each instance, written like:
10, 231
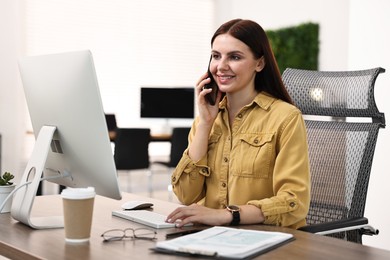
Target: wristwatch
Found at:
235, 210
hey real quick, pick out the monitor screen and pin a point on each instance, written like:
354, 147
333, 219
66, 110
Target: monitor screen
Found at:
167, 103
72, 140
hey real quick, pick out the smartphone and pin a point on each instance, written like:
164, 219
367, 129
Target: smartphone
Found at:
212, 96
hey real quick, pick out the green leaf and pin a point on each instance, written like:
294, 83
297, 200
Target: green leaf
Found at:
6, 178
296, 47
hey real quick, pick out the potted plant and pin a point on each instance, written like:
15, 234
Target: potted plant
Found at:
6, 187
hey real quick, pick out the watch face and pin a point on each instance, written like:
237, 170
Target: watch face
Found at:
233, 208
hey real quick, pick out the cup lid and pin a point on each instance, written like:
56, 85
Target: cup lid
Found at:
78, 193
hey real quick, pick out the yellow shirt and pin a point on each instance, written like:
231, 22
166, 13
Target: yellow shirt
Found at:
261, 160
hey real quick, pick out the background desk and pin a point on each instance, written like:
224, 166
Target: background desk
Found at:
153, 137
18, 241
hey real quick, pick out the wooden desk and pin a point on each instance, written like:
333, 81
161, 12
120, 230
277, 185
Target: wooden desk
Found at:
18, 241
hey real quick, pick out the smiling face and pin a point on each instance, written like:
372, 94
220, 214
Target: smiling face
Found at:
233, 65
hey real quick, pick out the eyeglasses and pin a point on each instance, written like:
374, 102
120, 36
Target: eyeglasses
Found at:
119, 234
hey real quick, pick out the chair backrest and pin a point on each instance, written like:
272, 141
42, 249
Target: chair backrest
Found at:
341, 150
132, 148
179, 142
111, 122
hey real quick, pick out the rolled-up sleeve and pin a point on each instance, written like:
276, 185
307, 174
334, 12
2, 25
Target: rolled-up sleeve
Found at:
188, 178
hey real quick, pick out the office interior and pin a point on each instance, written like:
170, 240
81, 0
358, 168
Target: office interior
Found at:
353, 35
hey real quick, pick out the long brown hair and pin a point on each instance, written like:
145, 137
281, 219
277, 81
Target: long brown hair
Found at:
253, 35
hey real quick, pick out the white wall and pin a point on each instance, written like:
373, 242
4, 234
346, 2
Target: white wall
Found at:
12, 103
369, 42
353, 35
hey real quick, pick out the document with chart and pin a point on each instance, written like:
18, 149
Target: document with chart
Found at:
224, 242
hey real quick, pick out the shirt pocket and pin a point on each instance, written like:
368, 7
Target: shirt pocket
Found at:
254, 155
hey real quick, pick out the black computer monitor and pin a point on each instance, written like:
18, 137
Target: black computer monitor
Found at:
167, 103
72, 142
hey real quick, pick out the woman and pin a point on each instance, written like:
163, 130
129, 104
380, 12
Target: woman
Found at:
247, 159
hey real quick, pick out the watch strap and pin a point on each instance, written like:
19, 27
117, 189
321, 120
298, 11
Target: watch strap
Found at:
236, 215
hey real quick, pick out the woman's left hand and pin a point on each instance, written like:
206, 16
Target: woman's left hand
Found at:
200, 214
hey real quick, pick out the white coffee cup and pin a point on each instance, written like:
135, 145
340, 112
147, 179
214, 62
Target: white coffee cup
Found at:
78, 210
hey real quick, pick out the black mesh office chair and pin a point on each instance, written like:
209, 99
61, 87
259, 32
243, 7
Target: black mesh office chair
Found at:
341, 148
111, 126
131, 151
111, 122
179, 142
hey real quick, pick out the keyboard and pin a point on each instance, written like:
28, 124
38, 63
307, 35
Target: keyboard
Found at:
145, 217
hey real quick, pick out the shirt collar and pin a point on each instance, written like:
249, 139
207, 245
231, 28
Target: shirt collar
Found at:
263, 100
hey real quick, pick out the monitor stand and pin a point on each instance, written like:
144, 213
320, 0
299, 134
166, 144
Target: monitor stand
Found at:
166, 128
23, 199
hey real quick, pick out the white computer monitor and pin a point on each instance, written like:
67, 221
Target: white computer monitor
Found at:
72, 145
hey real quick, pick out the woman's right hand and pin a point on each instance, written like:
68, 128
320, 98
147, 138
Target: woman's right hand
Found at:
207, 115
207, 112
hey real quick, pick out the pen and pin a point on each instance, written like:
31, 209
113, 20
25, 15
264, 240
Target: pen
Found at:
182, 233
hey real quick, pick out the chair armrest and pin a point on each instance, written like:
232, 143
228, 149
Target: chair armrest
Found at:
341, 225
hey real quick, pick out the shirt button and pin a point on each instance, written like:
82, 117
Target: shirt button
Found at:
225, 159
256, 141
174, 179
292, 204
223, 184
204, 170
239, 115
